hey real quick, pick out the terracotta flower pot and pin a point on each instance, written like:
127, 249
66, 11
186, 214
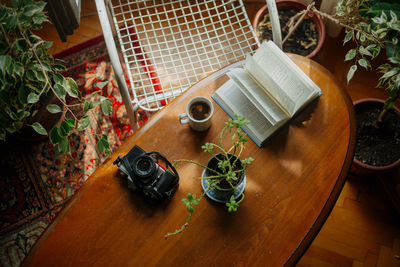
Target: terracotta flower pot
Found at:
361, 168
295, 4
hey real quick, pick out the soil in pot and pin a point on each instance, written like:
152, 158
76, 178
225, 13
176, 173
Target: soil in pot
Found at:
302, 42
213, 164
377, 146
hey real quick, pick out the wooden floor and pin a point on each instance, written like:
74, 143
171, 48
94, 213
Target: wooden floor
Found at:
362, 229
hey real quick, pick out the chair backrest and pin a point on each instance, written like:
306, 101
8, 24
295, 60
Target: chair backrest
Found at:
167, 46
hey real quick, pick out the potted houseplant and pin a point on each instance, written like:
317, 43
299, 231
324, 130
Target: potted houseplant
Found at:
374, 27
303, 31
223, 178
30, 76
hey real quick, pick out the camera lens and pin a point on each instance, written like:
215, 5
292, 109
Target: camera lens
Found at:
144, 167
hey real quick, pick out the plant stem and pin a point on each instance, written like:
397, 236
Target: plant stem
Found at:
180, 230
3, 32
48, 82
292, 30
219, 176
198, 164
381, 118
337, 21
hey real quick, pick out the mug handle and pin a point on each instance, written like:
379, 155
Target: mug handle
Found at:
182, 120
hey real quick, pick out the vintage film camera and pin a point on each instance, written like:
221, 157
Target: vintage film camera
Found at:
146, 172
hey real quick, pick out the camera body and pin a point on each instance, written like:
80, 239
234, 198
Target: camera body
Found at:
146, 173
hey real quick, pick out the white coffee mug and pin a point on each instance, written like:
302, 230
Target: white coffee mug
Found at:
199, 125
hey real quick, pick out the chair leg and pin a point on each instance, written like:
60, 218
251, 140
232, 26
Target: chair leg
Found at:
116, 64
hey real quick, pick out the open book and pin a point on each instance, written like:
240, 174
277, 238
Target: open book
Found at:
268, 91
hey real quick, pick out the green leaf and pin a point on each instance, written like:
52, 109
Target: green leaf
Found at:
63, 145
71, 123
72, 88
47, 45
33, 9
16, 3
391, 50
23, 94
65, 128
11, 21
364, 51
3, 47
55, 136
39, 19
40, 76
58, 78
59, 67
19, 69
31, 75
83, 123
389, 103
5, 62
351, 72
350, 54
53, 108
363, 63
100, 146
390, 73
60, 91
39, 128
106, 107
87, 105
103, 144
5, 98
348, 36
33, 98
101, 84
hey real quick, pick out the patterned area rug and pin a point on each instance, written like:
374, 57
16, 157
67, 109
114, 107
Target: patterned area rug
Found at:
35, 180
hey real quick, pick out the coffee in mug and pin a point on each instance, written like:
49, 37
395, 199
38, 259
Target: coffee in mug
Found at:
198, 113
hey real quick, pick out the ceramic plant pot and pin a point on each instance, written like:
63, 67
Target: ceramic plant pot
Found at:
363, 168
295, 4
223, 193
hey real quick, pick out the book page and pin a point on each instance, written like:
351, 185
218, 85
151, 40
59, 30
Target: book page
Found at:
269, 84
294, 89
257, 96
233, 101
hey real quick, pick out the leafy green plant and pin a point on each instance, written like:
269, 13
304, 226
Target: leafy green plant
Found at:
373, 26
227, 171
28, 73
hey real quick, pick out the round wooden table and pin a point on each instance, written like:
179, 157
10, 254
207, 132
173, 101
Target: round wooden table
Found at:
291, 188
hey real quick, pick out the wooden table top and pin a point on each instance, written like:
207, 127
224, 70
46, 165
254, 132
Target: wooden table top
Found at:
291, 188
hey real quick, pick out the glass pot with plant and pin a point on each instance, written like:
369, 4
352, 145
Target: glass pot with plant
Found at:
223, 178
29, 74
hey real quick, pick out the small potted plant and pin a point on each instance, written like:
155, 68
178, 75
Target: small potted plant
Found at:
30, 77
223, 178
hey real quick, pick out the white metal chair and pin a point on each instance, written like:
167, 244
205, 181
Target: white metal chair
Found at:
167, 46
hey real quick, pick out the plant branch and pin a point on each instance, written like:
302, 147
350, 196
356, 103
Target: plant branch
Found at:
337, 21
48, 82
3, 32
198, 164
183, 227
294, 28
